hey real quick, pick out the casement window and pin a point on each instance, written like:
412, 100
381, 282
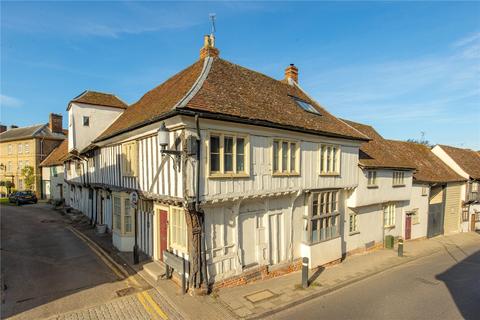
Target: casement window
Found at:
329, 159
26, 148
322, 222
177, 229
123, 221
9, 149
371, 178
20, 148
86, 121
353, 223
424, 191
20, 165
285, 157
129, 159
228, 154
398, 178
78, 168
474, 187
389, 215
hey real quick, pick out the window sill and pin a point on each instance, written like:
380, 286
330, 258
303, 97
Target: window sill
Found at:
389, 227
333, 174
372, 187
228, 175
285, 174
398, 185
354, 233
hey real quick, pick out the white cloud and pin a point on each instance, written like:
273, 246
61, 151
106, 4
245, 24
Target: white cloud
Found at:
9, 102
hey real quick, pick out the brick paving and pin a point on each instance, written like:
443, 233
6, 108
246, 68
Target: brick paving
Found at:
132, 307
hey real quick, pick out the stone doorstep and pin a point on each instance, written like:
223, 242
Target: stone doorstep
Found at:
154, 270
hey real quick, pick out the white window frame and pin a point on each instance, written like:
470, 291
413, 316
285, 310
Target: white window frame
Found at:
389, 215
26, 148
372, 178
327, 210
424, 191
329, 162
88, 121
130, 159
353, 223
19, 148
289, 170
177, 229
120, 221
246, 156
398, 178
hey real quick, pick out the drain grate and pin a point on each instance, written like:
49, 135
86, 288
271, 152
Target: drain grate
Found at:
125, 291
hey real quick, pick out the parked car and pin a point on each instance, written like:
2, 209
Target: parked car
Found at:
21, 197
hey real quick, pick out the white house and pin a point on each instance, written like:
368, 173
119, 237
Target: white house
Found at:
53, 179
266, 185
466, 163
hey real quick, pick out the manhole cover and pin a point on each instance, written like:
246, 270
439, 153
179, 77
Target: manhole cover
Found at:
125, 292
260, 296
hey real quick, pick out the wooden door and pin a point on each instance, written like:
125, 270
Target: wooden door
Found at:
472, 221
247, 239
163, 232
408, 227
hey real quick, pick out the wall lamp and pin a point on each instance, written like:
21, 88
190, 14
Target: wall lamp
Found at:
163, 138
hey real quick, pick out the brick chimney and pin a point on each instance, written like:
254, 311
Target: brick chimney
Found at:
208, 49
3, 128
55, 123
291, 73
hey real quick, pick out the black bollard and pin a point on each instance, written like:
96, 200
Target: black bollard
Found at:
400, 247
305, 272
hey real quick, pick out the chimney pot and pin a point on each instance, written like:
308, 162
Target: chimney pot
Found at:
291, 73
208, 49
55, 123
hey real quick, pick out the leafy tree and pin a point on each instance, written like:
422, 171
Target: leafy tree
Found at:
29, 177
424, 142
9, 185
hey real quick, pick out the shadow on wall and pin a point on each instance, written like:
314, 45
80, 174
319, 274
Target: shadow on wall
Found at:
462, 280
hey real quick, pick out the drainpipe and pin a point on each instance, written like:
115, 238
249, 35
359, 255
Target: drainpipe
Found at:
203, 254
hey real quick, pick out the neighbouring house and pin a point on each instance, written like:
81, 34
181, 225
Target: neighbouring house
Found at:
239, 173
380, 205
53, 179
435, 186
28, 146
466, 163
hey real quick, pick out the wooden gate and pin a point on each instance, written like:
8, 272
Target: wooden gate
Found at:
408, 227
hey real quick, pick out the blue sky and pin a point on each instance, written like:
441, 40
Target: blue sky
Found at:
403, 67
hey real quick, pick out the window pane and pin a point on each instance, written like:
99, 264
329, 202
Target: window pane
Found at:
240, 155
228, 154
315, 206
275, 156
322, 229
315, 230
214, 154
214, 144
322, 159
328, 159
284, 156
293, 157
334, 159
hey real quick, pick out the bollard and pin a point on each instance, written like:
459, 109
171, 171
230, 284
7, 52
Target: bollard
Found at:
305, 272
400, 247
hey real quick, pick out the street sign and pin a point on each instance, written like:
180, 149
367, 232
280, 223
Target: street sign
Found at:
133, 199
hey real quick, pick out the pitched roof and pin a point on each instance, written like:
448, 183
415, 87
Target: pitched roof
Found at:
379, 152
57, 156
429, 167
467, 159
217, 88
100, 99
35, 131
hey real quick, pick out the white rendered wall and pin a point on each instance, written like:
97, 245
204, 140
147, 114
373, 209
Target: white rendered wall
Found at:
419, 203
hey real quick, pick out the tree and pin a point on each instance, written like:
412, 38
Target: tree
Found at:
9, 185
28, 177
424, 142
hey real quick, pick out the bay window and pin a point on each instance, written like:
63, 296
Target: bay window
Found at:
398, 178
123, 221
228, 154
389, 215
285, 157
329, 159
322, 222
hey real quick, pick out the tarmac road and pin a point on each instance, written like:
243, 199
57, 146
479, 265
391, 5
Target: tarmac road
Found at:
445, 285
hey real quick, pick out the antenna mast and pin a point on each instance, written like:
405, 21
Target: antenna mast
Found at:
212, 20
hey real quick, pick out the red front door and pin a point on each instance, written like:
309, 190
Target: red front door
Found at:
408, 227
163, 232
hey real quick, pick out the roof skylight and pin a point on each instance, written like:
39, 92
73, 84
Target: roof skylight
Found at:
306, 106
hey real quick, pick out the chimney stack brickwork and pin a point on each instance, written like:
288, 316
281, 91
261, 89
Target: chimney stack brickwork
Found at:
291, 73
55, 123
208, 49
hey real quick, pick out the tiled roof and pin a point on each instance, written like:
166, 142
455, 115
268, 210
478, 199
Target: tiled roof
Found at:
429, 167
36, 131
57, 156
467, 159
232, 91
379, 152
100, 99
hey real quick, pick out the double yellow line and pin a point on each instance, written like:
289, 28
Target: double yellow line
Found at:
151, 306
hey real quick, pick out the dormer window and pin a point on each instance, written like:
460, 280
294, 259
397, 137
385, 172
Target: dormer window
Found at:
306, 106
86, 121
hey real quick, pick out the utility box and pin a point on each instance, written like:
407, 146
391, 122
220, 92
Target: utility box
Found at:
389, 241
